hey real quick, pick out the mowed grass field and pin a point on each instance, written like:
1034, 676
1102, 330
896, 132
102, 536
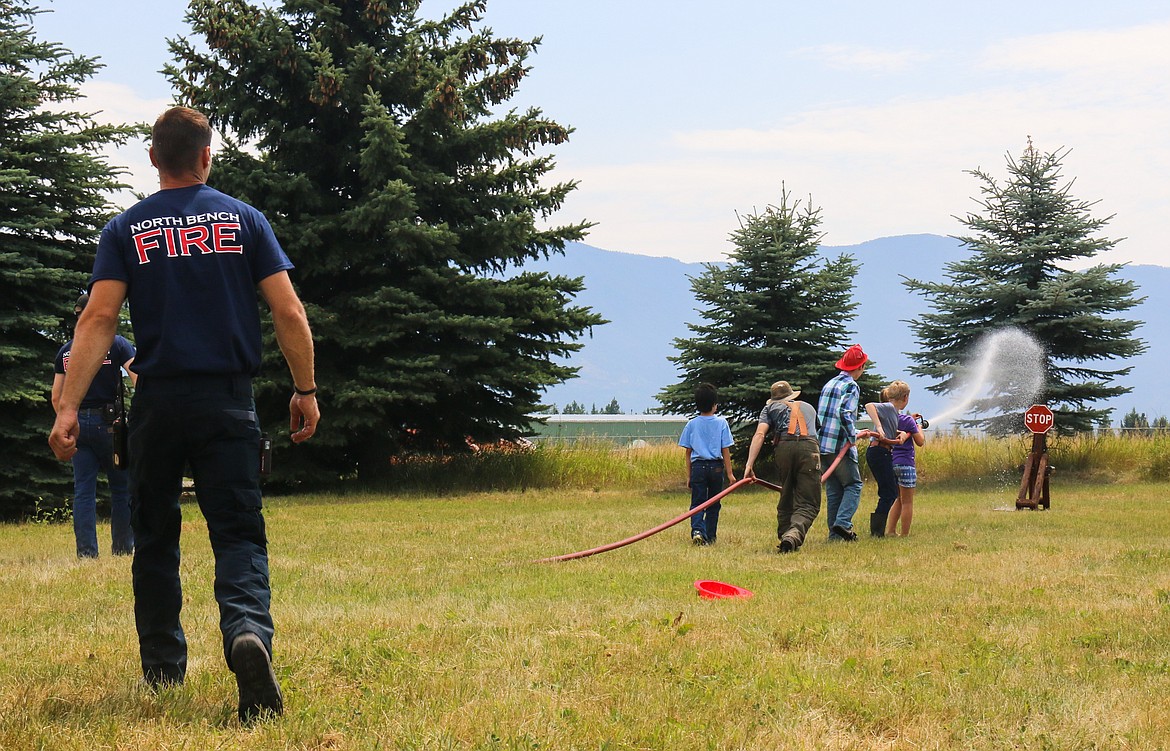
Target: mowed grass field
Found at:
420, 622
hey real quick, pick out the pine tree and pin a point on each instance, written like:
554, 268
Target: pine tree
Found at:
1023, 241
1135, 419
370, 138
53, 204
776, 311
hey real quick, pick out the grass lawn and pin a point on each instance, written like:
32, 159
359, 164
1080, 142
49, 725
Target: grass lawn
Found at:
419, 623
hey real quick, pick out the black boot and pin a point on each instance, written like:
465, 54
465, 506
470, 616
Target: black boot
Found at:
877, 525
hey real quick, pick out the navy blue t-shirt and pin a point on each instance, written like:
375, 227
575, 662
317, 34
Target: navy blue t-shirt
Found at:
191, 258
104, 388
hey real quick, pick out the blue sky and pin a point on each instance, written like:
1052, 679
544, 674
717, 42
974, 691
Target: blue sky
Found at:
688, 112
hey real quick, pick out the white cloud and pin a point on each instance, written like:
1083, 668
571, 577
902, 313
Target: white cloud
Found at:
113, 103
899, 166
1114, 54
862, 59
118, 103
687, 208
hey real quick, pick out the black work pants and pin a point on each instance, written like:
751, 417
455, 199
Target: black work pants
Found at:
209, 423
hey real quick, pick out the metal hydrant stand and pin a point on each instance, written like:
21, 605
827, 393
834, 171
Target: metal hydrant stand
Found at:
1034, 485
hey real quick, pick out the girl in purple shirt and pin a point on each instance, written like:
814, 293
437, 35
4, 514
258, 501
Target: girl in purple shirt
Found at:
904, 468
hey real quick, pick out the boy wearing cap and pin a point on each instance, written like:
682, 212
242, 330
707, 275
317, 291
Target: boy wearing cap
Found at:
794, 425
836, 412
95, 450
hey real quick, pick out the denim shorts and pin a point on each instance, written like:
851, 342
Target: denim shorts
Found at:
907, 475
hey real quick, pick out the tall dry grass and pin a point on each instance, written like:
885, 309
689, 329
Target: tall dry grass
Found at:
957, 458
947, 457
581, 464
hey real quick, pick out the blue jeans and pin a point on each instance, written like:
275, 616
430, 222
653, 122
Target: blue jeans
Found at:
842, 491
95, 452
209, 423
881, 465
706, 482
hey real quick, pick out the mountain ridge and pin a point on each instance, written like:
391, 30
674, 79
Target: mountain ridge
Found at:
648, 301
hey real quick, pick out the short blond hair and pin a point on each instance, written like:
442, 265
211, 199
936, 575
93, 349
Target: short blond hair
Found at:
897, 390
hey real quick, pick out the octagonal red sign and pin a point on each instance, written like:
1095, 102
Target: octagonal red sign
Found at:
1038, 418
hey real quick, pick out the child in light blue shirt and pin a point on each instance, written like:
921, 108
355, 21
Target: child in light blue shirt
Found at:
707, 439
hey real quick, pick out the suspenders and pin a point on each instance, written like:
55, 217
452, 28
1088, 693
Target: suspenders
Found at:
798, 424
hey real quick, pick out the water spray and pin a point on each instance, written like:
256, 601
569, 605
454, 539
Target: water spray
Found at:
1005, 369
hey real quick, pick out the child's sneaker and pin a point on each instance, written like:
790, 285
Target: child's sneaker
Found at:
697, 538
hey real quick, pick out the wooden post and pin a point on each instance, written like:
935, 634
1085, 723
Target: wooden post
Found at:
1034, 484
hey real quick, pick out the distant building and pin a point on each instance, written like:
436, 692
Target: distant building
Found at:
617, 428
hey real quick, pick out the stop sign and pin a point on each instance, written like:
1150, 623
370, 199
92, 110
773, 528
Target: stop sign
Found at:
1038, 418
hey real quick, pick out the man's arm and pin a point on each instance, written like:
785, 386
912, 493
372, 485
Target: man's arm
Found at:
126, 366
91, 341
754, 449
58, 383
130, 371
296, 343
878, 433
849, 413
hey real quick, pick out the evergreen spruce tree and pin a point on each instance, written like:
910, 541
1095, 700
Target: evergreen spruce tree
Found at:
1135, 419
1029, 232
573, 408
53, 204
371, 139
776, 311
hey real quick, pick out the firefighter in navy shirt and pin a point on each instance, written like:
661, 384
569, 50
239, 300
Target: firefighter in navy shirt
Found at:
189, 259
95, 450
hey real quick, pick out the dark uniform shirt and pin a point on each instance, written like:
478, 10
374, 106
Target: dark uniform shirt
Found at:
103, 389
191, 258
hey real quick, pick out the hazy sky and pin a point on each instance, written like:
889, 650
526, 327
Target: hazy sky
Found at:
687, 112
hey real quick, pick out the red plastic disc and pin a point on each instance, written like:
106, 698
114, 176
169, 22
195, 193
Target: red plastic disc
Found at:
713, 590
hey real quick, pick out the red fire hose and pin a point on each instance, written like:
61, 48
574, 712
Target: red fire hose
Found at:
836, 461
666, 525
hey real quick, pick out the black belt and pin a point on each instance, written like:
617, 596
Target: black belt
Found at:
101, 409
718, 461
199, 383
796, 438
